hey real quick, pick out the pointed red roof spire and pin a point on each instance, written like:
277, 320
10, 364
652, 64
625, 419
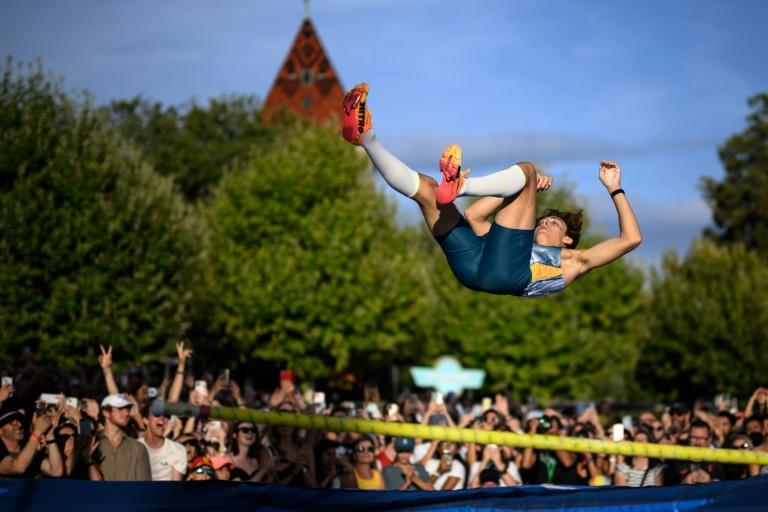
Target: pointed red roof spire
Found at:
306, 83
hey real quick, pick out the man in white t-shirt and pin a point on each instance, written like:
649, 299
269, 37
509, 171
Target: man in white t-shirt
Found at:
168, 459
446, 472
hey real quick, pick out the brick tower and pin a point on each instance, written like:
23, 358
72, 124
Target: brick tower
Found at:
306, 83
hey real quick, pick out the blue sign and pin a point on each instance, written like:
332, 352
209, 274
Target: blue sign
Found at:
447, 376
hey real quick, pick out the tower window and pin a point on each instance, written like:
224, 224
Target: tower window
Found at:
307, 103
306, 76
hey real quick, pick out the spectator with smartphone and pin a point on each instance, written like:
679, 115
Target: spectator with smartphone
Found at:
118, 456
548, 466
446, 470
32, 456
694, 472
167, 458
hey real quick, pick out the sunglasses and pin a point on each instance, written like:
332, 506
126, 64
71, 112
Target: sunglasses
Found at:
62, 438
247, 430
202, 470
362, 449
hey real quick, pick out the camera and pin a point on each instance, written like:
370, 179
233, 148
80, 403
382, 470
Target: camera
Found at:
545, 423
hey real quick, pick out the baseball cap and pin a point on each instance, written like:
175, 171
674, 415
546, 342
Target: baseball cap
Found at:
219, 461
199, 462
404, 444
8, 414
116, 401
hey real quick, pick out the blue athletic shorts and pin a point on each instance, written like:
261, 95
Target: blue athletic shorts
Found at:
499, 262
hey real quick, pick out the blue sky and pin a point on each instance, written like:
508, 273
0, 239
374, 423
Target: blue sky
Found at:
655, 85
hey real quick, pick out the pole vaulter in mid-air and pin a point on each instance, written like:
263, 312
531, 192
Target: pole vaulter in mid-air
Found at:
517, 253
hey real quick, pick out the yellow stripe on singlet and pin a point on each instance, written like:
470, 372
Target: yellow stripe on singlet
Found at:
541, 271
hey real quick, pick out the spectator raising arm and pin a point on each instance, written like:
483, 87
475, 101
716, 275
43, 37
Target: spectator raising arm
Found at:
105, 361
178, 379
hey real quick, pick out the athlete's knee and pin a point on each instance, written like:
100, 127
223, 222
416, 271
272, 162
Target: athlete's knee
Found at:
426, 191
529, 170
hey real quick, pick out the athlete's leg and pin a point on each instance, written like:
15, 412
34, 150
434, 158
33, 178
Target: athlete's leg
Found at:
357, 129
519, 210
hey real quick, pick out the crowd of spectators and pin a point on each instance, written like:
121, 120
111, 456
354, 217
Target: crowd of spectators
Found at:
76, 433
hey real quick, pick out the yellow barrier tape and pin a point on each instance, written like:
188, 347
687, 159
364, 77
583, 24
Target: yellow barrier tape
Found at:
467, 435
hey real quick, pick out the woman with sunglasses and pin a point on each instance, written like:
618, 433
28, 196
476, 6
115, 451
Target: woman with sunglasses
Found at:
738, 441
252, 461
365, 475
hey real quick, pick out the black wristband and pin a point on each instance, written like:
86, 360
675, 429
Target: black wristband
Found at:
50, 441
179, 372
617, 192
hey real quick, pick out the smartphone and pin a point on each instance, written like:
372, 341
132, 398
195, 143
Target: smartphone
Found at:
213, 424
618, 432
393, 409
201, 387
438, 396
318, 399
85, 427
226, 375
486, 404
7, 381
72, 401
287, 375
49, 398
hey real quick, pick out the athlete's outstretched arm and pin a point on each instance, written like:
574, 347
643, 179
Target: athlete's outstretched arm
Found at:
629, 230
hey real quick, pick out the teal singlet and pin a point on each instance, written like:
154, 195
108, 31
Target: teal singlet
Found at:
505, 261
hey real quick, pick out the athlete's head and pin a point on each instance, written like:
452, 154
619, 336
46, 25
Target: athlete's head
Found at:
557, 228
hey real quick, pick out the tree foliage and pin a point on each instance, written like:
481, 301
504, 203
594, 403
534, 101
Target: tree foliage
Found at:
307, 265
194, 144
95, 247
706, 324
739, 201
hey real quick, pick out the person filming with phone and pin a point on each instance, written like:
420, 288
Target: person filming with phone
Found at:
548, 466
30, 454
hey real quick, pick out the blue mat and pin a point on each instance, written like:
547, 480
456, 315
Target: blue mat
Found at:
65, 495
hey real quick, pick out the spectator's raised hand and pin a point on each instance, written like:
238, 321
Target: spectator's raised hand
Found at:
41, 424
91, 408
73, 413
6, 392
502, 404
182, 352
105, 359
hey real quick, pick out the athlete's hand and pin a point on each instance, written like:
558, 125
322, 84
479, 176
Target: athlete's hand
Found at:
610, 175
543, 182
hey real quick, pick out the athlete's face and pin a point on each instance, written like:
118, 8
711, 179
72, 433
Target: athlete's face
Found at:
551, 231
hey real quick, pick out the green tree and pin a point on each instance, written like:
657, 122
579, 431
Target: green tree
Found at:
706, 324
739, 201
95, 247
193, 144
308, 268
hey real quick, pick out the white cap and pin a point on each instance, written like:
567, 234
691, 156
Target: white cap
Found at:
117, 401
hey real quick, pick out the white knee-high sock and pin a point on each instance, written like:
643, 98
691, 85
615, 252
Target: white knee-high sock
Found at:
399, 176
504, 183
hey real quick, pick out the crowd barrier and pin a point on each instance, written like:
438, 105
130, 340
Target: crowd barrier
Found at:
465, 435
65, 495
